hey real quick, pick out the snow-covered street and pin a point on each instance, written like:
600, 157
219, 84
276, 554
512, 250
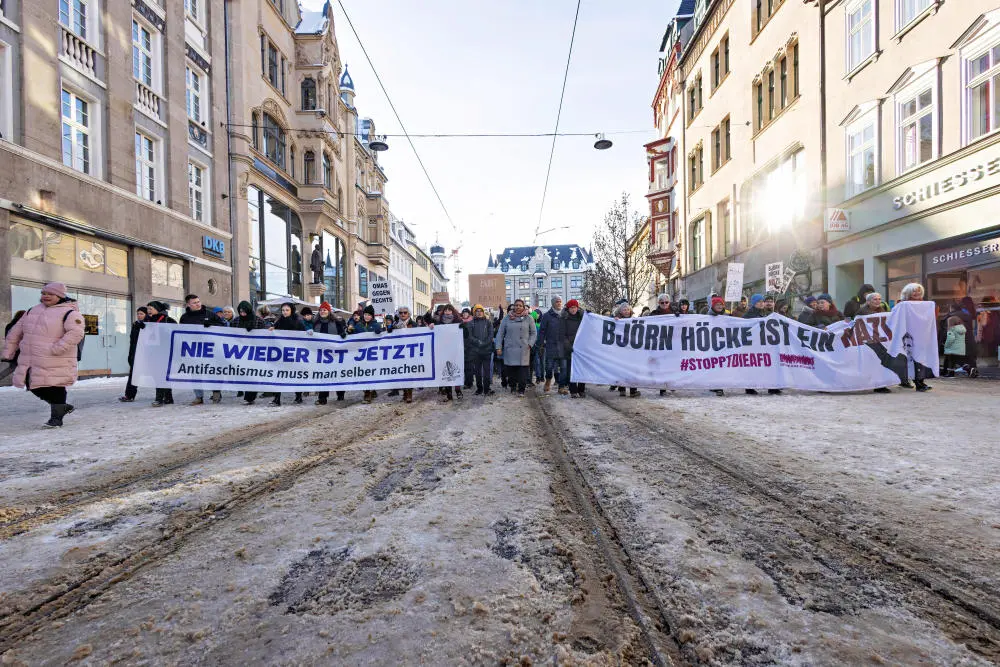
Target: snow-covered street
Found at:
803, 529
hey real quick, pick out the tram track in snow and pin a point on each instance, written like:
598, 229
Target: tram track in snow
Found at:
945, 596
30, 613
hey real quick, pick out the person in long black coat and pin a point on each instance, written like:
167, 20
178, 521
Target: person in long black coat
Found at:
133, 341
288, 321
328, 324
157, 314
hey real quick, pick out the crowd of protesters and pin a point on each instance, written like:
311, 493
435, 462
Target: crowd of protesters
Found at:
521, 347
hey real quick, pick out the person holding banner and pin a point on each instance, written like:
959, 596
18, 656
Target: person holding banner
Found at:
157, 314
915, 292
288, 321
823, 313
573, 316
329, 325
367, 324
133, 341
624, 312
514, 340
551, 335
663, 306
760, 306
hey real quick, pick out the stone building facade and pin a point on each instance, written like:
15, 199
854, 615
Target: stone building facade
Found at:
113, 146
538, 273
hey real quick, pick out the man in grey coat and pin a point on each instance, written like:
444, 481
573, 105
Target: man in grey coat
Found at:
513, 342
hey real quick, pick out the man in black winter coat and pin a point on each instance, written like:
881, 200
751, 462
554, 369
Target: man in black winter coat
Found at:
478, 334
196, 313
552, 339
328, 325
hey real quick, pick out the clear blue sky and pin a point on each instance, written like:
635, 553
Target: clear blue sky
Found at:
476, 66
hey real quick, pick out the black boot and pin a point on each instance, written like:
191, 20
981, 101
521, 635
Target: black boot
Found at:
57, 412
277, 400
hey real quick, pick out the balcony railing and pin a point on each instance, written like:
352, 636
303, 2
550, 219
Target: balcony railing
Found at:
148, 101
81, 54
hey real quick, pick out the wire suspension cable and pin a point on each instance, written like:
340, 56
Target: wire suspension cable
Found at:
555, 134
467, 135
396, 113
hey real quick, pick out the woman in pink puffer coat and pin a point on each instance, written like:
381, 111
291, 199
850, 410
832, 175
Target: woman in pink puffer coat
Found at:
47, 337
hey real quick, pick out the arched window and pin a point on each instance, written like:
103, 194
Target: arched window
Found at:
327, 172
308, 95
274, 141
309, 168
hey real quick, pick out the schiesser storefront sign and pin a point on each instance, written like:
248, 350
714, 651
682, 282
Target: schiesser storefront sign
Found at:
968, 254
951, 186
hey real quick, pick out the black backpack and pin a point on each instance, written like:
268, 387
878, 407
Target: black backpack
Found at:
79, 346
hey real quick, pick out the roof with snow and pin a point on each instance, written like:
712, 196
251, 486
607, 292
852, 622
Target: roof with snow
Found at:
564, 254
346, 82
314, 23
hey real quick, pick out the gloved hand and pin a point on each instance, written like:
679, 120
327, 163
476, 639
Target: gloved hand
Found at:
207, 323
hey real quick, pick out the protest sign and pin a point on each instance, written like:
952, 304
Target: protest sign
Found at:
734, 281
775, 352
774, 277
380, 295
487, 289
178, 356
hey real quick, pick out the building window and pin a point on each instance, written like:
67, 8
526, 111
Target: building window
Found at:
916, 130
197, 185
275, 247
255, 130
271, 62
907, 10
363, 281
145, 167
576, 282
309, 168
6, 85
716, 148
720, 62
862, 173
192, 8
770, 95
540, 283
725, 56
696, 239
291, 160
759, 91
982, 98
727, 142
783, 89
523, 284
725, 221
860, 32
76, 132
167, 272
327, 172
795, 68
274, 141
142, 54
695, 97
308, 94
73, 16
557, 283
660, 174
193, 93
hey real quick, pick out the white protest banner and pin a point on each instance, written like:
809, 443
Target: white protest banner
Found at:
773, 276
775, 352
380, 295
734, 282
786, 280
178, 356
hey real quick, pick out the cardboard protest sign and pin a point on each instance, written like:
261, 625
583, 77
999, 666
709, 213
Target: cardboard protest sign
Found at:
488, 289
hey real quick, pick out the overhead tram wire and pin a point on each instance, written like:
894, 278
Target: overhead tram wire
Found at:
464, 135
396, 113
555, 134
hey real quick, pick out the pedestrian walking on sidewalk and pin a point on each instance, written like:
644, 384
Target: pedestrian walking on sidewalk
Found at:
46, 342
513, 342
